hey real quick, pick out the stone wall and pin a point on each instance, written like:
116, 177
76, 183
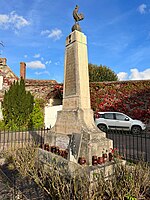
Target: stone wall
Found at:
129, 97
40, 88
7, 77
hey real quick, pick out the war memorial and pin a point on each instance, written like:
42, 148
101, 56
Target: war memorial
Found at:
75, 130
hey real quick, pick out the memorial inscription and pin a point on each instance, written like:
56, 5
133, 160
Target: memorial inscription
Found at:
70, 84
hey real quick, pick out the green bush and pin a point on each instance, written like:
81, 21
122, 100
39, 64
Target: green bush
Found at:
2, 125
37, 115
17, 106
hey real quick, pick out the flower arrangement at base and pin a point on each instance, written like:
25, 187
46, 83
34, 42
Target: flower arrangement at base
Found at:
115, 154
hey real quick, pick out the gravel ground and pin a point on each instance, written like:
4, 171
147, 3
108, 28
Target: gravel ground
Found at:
28, 190
5, 191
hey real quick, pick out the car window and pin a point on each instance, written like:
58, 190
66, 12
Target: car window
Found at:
120, 116
102, 116
109, 116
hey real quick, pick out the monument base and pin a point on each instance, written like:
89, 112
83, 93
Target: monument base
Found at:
75, 130
71, 168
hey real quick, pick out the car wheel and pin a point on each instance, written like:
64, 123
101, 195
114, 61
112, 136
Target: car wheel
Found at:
102, 127
136, 130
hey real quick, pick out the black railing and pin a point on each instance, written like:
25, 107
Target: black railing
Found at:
14, 139
130, 146
16, 186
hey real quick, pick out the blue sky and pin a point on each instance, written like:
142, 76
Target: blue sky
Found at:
118, 34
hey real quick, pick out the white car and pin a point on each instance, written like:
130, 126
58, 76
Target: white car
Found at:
118, 121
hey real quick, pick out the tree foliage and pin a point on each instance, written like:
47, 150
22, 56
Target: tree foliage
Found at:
37, 116
17, 106
101, 73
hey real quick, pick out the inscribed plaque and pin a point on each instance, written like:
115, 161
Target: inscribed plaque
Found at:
70, 83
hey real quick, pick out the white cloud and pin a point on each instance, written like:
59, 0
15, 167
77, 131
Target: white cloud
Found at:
57, 63
55, 34
136, 75
40, 73
13, 21
4, 20
122, 76
142, 8
25, 56
46, 32
48, 62
35, 65
37, 55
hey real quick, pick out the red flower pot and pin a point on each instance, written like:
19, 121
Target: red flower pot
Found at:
65, 154
100, 160
53, 149
57, 150
46, 147
110, 157
104, 157
82, 160
94, 160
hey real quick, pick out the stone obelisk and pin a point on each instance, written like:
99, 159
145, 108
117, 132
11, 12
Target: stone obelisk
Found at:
76, 117
76, 113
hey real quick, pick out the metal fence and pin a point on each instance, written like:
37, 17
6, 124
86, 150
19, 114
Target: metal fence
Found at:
12, 184
131, 147
16, 139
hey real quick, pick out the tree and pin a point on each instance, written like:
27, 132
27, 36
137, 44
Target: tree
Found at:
17, 106
37, 116
101, 73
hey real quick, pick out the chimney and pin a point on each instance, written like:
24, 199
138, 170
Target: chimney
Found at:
22, 70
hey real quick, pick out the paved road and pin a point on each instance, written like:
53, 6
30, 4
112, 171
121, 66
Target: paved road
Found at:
136, 147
